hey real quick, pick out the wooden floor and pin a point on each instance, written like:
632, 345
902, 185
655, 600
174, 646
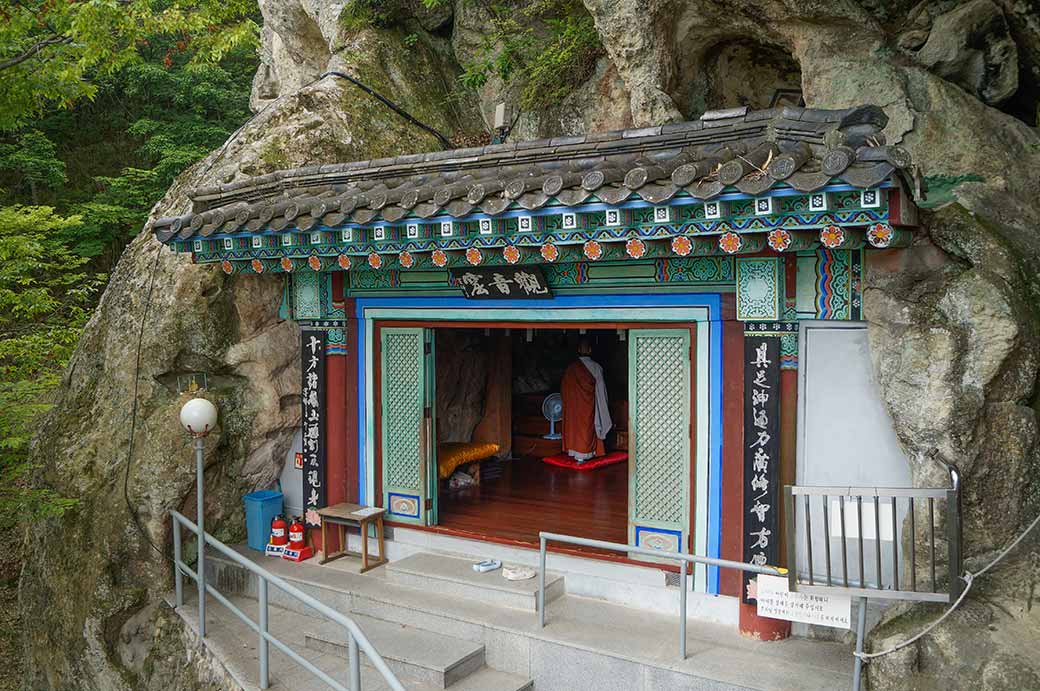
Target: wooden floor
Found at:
529, 496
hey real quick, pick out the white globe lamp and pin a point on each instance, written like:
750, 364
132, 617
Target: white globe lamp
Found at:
199, 417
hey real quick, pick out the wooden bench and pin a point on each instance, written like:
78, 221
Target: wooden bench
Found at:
342, 515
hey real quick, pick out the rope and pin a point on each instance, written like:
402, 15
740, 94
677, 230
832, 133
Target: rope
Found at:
969, 580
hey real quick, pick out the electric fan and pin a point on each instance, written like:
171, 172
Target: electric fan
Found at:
552, 409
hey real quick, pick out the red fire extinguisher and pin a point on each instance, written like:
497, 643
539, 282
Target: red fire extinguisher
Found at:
296, 534
278, 531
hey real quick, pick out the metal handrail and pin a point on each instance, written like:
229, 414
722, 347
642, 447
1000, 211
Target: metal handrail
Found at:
861, 587
683, 559
355, 637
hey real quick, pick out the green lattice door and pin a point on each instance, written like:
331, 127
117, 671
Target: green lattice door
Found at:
408, 443
659, 438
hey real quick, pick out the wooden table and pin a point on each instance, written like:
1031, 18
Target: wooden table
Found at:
342, 515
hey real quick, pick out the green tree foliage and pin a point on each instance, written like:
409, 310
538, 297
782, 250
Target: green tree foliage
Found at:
46, 295
79, 176
53, 51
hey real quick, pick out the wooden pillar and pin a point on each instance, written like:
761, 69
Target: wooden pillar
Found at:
340, 414
732, 438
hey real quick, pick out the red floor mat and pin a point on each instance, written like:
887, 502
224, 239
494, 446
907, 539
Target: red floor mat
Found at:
564, 461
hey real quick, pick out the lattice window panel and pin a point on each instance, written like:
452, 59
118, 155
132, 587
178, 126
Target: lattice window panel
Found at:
662, 406
402, 409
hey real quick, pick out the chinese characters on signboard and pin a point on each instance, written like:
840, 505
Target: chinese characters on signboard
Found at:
761, 454
502, 283
313, 368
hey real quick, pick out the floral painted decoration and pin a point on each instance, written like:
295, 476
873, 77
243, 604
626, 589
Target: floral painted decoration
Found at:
227, 266
406, 260
314, 262
779, 240
286, 264
511, 254
635, 248
550, 252
682, 245
730, 243
439, 258
344, 261
474, 256
375, 261
879, 235
593, 250
832, 237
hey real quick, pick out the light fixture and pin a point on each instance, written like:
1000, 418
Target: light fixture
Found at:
199, 417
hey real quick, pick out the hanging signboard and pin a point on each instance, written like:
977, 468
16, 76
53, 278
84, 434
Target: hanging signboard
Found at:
313, 409
502, 283
775, 600
761, 454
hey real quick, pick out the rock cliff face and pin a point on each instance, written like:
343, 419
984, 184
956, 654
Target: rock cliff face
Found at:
953, 320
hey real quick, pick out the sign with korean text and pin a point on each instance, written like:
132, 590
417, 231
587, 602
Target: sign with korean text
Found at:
313, 409
761, 454
502, 283
776, 601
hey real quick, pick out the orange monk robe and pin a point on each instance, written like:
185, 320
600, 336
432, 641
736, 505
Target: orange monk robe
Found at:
578, 390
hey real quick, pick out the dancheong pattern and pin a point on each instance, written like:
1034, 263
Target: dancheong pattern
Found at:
661, 362
402, 408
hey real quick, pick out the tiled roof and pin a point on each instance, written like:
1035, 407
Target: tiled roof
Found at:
732, 150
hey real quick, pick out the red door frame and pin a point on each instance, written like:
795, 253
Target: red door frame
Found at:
377, 382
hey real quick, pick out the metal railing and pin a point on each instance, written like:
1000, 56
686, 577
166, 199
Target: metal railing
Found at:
871, 576
683, 559
356, 639
819, 532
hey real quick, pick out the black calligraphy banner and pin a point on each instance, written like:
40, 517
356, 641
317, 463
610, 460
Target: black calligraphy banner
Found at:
313, 404
761, 454
502, 283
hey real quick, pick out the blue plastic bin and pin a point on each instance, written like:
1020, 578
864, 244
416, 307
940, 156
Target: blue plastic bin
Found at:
261, 508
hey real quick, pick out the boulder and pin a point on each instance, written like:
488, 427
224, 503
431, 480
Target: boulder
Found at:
971, 46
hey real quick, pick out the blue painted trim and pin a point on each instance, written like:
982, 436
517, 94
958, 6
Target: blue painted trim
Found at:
640, 529
712, 301
715, 455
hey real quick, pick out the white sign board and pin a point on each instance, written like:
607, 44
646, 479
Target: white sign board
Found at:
777, 602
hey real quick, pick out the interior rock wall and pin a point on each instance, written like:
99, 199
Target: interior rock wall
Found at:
952, 320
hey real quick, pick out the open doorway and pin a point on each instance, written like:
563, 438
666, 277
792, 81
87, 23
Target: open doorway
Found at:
495, 428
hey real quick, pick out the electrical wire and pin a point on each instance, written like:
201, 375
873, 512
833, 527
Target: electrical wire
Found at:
133, 411
969, 580
389, 104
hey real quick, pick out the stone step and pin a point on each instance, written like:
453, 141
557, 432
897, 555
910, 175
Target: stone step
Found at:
444, 575
431, 659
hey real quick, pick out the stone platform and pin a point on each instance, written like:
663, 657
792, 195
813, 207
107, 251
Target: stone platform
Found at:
436, 636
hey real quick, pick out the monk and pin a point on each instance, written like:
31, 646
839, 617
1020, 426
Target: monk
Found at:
586, 417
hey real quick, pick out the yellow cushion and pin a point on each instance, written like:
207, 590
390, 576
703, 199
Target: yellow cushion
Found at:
450, 455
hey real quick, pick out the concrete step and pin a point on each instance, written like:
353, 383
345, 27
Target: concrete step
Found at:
412, 655
431, 659
586, 644
437, 573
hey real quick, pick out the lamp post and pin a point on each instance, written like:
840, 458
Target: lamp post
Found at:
199, 416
